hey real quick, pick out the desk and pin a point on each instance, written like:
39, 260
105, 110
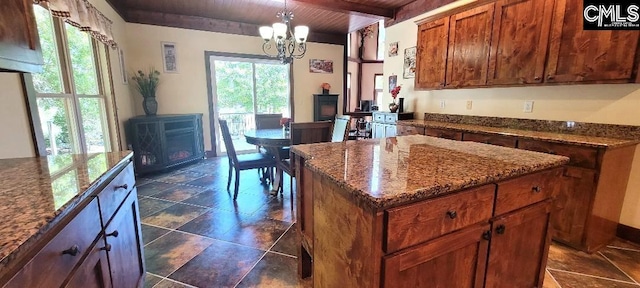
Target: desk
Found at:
273, 140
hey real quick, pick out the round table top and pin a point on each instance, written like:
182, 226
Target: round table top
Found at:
268, 137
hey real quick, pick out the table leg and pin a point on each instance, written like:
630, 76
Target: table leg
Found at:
277, 183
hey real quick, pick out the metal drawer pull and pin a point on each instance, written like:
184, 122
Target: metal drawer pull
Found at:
536, 189
106, 248
114, 234
500, 229
452, 214
486, 235
73, 251
123, 186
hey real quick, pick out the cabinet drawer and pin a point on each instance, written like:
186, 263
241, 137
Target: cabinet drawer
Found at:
523, 191
50, 266
578, 155
426, 220
409, 130
391, 118
115, 192
378, 117
443, 133
505, 141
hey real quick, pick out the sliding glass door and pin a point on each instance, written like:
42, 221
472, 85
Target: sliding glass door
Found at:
242, 88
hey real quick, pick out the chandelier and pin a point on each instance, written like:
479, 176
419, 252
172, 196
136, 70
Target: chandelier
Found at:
289, 44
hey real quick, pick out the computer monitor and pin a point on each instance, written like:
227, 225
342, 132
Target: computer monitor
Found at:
365, 105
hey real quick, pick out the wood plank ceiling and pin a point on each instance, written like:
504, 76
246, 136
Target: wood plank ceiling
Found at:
328, 20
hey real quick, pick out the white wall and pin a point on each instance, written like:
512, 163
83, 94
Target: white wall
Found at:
15, 132
609, 104
186, 91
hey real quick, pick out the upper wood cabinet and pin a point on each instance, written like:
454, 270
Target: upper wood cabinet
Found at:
433, 40
576, 55
469, 39
19, 42
519, 41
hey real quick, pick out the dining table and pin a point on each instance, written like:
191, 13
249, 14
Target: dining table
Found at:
274, 141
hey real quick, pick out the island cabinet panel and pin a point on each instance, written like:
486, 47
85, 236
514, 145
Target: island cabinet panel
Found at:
444, 133
124, 240
51, 266
441, 262
519, 41
403, 130
94, 270
115, 192
576, 55
19, 41
499, 140
523, 191
469, 44
519, 247
433, 41
572, 205
426, 220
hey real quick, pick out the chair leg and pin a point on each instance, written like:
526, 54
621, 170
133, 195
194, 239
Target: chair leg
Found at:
235, 194
229, 180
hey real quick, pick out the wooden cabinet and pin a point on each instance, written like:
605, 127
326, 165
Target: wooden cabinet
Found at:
576, 55
444, 133
519, 41
499, 140
572, 204
19, 41
123, 236
93, 272
433, 40
468, 53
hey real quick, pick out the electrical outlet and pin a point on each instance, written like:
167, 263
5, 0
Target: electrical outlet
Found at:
528, 106
442, 104
469, 104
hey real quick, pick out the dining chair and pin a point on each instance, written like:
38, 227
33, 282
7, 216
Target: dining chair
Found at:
242, 162
268, 121
341, 127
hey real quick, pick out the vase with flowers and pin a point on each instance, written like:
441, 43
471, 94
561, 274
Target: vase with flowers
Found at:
393, 107
325, 87
147, 85
285, 122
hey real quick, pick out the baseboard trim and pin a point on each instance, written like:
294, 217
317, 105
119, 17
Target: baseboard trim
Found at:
210, 154
628, 233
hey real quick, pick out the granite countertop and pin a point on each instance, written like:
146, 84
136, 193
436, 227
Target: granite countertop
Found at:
35, 193
582, 140
381, 173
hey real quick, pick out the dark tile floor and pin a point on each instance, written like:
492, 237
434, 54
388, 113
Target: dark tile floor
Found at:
195, 235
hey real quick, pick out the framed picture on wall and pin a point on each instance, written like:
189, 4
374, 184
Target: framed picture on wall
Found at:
320, 66
409, 70
393, 49
169, 59
123, 69
393, 81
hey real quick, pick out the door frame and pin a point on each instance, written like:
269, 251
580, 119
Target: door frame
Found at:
213, 124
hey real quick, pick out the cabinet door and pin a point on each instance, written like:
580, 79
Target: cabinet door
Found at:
19, 41
571, 206
519, 247
499, 140
378, 130
444, 133
519, 41
433, 40
93, 272
124, 236
454, 260
468, 55
389, 130
576, 55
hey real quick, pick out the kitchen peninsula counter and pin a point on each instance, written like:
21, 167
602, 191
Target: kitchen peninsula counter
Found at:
410, 210
51, 203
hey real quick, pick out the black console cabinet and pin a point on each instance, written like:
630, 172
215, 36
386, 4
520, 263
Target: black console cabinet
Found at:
163, 141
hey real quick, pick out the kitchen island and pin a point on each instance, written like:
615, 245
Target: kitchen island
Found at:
70, 221
418, 211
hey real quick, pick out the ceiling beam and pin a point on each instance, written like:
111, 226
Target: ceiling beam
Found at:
414, 9
119, 7
349, 7
217, 25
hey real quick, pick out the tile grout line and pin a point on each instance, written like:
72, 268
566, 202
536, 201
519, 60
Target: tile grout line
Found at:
592, 276
553, 278
623, 248
262, 257
614, 264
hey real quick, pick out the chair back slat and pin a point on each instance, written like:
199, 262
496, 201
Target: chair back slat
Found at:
310, 132
341, 126
268, 121
228, 142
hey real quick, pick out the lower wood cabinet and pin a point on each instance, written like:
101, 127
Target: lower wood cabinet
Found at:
499, 140
572, 204
93, 272
444, 133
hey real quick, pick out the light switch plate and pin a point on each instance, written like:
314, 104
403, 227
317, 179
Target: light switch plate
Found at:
469, 104
442, 104
528, 106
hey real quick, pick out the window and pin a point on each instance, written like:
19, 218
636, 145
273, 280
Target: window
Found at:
349, 86
381, 39
69, 92
378, 87
348, 45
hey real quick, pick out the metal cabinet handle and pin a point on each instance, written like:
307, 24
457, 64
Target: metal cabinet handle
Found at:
123, 186
500, 229
106, 248
536, 189
73, 251
114, 234
551, 77
537, 78
452, 214
486, 235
